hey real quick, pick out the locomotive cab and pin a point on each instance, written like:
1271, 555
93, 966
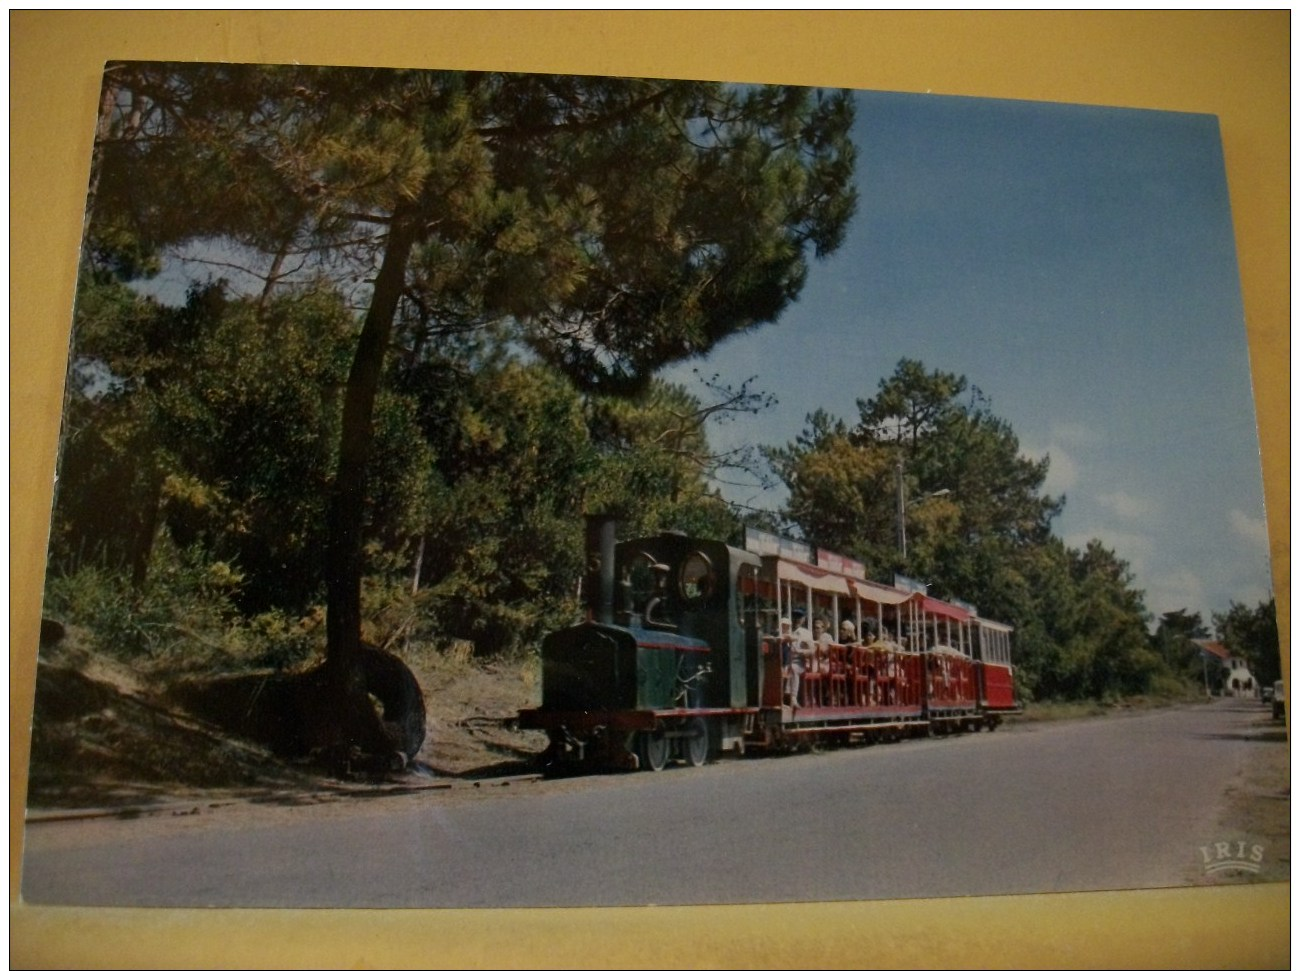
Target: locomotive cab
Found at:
701, 590
666, 651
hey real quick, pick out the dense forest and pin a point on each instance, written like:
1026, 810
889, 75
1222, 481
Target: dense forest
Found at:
419, 337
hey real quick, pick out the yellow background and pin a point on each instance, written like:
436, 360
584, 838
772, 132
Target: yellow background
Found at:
1234, 65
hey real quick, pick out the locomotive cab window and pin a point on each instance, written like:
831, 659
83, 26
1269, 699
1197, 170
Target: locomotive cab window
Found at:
696, 580
747, 604
641, 581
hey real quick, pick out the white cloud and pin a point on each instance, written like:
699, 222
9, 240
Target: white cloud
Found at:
1062, 470
1126, 506
1250, 528
1075, 433
1135, 549
1177, 590
1064, 440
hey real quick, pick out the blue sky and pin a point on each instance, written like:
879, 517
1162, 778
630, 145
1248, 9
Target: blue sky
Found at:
1075, 263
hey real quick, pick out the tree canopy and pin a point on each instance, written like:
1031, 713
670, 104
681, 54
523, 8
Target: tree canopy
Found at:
603, 226
620, 223
928, 447
965, 487
1251, 632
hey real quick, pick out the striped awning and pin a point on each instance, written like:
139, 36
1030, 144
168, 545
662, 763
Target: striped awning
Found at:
823, 581
942, 608
826, 581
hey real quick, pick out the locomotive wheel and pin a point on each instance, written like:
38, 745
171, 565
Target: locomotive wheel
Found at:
696, 744
654, 750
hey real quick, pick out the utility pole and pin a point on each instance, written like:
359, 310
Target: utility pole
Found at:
901, 511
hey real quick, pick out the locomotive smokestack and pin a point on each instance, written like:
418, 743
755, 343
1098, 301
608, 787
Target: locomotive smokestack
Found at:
599, 583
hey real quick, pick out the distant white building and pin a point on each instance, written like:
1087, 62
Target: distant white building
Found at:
1226, 675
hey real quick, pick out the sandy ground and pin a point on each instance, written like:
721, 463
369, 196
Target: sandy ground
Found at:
104, 736
1257, 812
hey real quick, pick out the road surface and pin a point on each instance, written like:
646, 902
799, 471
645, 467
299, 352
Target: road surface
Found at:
1129, 801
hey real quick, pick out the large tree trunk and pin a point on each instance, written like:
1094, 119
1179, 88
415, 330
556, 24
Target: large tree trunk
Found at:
358, 725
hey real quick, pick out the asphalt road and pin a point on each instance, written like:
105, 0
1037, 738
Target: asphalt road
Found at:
1122, 802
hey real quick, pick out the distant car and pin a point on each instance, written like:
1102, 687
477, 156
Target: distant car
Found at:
1266, 695
1279, 699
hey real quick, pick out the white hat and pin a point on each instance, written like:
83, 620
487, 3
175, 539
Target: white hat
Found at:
785, 621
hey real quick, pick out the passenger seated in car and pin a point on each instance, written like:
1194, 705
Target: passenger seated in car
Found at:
796, 647
822, 642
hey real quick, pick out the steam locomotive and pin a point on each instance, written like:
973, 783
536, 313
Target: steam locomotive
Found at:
693, 648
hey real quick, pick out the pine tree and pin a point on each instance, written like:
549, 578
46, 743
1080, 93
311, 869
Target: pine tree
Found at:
609, 225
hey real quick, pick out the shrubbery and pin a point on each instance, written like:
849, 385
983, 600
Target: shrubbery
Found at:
181, 617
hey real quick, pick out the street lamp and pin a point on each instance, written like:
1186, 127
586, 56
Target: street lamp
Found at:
902, 506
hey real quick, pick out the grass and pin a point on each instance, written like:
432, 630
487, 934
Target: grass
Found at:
1050, 711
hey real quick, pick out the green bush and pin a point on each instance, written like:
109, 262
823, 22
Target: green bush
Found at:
1174, 687
277, 640
183, 616
177, 606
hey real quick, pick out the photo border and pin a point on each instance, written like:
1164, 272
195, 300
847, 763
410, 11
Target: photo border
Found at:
1231, 64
